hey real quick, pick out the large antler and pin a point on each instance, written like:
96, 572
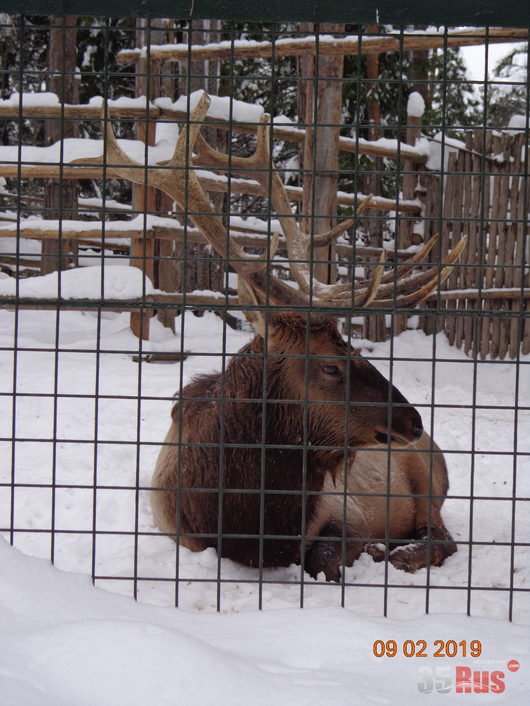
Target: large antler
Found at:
401, 287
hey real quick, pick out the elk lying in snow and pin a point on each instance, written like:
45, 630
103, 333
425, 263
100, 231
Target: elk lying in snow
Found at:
276, 471
301, 451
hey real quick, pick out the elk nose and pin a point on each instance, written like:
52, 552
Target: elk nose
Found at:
417, 431
402, 432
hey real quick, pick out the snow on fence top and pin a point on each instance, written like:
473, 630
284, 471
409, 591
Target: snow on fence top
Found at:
415, 105
225, 112
79, 148
245, 48
38, 161
220, 108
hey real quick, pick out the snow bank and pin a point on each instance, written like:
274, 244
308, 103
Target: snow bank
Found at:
64, 642
118, 282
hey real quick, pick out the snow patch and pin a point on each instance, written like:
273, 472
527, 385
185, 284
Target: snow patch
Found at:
415, 105
117, 282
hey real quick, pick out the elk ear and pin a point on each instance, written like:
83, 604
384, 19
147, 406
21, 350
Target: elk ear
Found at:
286, 332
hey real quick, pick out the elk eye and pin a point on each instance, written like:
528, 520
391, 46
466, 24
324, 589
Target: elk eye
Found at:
331, 369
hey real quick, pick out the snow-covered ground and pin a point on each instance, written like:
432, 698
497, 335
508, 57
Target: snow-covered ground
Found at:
65, 642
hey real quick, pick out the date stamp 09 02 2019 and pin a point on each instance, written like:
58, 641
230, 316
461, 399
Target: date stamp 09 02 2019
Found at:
439, 678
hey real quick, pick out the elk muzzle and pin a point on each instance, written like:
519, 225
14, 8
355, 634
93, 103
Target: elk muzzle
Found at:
404, 425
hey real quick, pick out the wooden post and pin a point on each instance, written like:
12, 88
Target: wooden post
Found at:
166, 266
198, 267
321, 147
144, 197
374, 327
60, 197
415, 106
406, 236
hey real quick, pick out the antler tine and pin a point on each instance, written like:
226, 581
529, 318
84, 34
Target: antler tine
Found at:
207, 156
267, 176
364, 204
211, 226
323, 239
408, 265
114, 158
406, 292
367, 295
298, 242
421, 294
399, 274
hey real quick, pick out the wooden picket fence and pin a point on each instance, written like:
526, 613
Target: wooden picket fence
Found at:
484, 192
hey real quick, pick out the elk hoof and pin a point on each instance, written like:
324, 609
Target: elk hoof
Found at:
376, 550
322, 557
416, 555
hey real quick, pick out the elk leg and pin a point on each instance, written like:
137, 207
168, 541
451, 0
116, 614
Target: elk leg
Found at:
327, 555
429, 484
417, 555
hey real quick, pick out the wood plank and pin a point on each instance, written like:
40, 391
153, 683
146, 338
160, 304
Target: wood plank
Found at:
215, 185
500, 274
447, 211
484, 234
334, 46
289, 133
526, 330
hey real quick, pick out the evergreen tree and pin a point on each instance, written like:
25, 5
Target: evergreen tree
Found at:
451, 102
509, 97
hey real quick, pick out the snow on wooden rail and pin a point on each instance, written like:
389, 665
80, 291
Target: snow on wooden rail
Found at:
158, 228
223, 113
128, 289
118, 287
327, 45
53, 163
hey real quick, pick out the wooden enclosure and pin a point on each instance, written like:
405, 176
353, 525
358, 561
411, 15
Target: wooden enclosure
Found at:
479, 187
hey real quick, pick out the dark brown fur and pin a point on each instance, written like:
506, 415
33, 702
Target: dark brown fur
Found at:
260, 457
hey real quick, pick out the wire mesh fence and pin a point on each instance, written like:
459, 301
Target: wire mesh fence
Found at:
303, 249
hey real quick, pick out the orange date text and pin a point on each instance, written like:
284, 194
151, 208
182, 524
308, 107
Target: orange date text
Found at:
422, 648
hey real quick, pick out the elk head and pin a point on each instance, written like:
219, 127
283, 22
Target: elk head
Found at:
349, 403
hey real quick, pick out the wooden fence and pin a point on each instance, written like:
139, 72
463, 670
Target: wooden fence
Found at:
484, 192
480, 190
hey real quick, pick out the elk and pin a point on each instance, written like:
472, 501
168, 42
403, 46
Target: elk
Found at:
300, 451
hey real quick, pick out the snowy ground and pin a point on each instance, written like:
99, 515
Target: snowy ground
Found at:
64, 643
54, 620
